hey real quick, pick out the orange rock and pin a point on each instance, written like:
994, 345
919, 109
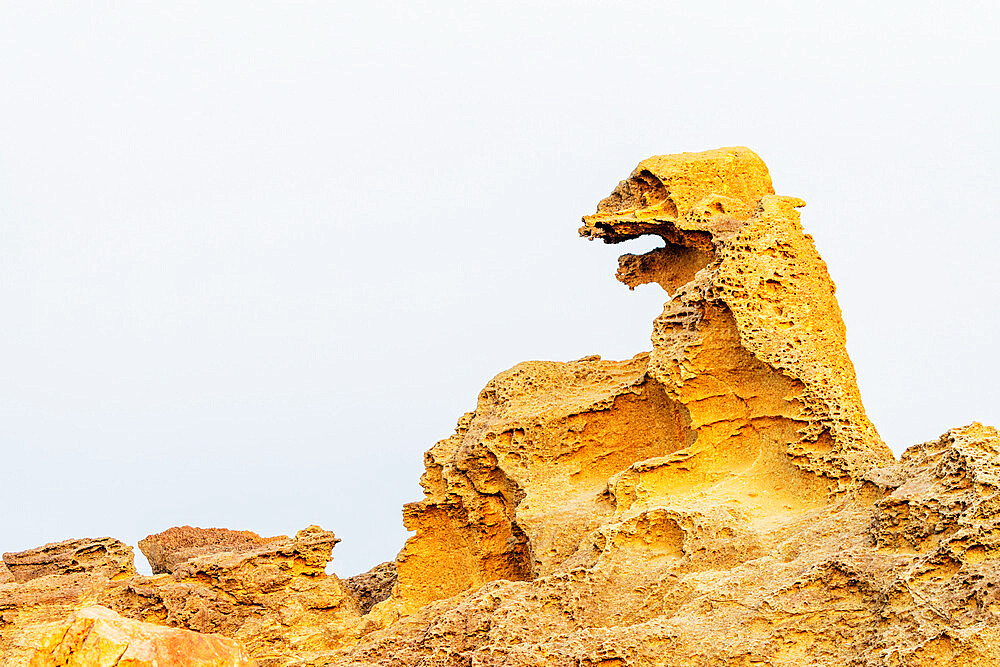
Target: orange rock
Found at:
748, 397
98, 637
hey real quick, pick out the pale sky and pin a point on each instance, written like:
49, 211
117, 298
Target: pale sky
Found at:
257, 257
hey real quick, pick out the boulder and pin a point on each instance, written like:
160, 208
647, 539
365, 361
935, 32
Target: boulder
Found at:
98, 637
275, 598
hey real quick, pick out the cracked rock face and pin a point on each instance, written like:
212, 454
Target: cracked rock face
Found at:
720, 500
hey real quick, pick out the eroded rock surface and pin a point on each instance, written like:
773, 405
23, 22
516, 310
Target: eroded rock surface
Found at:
275, 599
723, 500
373, 586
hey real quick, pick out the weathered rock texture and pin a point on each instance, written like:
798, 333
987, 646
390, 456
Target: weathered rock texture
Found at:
275, 599
98, 637
102, 555
373, 586
721, 500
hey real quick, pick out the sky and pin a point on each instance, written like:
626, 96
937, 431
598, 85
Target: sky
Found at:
256, 258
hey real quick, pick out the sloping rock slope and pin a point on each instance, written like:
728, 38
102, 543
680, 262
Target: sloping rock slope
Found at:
721, 500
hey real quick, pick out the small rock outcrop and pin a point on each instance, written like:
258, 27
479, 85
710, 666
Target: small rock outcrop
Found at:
98, 637
373, 586
102, 555
175, 546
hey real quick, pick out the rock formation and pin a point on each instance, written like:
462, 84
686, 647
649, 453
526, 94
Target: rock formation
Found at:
720, 500
373, 586
723, 500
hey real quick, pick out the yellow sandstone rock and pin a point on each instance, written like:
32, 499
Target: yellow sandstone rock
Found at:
747, 405
98, 637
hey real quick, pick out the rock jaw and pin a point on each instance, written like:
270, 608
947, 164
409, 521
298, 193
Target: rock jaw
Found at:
748, 397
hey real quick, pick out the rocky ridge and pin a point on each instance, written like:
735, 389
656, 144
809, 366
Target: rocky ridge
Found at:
720, 500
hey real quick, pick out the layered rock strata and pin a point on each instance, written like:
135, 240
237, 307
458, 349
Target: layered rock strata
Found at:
102, 555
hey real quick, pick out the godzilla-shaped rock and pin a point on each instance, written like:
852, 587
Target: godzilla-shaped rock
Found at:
745, 413
98, 637
722, 500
